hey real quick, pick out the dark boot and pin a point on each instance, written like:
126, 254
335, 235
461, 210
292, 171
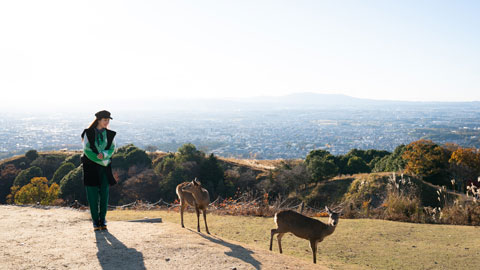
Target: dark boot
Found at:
103, 224
96, 225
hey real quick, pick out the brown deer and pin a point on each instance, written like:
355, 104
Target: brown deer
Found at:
304, 227
193, 194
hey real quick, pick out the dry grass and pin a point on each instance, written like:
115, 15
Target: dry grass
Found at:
356, 244
262, 165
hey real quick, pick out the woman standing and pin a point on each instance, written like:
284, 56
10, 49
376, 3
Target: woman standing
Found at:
98, 149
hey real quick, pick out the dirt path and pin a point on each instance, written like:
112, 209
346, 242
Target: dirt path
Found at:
62, 238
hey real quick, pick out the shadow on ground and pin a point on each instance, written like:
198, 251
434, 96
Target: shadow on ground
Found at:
113, 254
237, 251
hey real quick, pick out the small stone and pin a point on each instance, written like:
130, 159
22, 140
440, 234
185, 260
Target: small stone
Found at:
233, 268
167, 259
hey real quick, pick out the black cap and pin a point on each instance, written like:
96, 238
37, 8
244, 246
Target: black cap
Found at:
103, 114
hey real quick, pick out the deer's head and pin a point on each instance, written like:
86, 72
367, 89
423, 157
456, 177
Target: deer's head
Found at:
192, 186
332, 217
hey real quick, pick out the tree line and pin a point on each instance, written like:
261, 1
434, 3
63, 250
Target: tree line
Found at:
146, 176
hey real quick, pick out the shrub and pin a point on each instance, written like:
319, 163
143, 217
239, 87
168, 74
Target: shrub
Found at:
75, 160
37, 191
7, 175
400, 207
31, 155
61, 172
25, 176
72, 188
371, 187
138, 157
48, 163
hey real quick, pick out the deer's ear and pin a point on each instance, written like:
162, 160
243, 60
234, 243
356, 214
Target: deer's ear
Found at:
328, 210
196, 182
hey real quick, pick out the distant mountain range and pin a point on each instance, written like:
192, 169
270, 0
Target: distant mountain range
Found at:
299, 101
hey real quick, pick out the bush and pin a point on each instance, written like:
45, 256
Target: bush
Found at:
321, 168
356, 165
130, 155
37, 191
371, 187
61, 172
138, 157
391, 163
25, 176
49, 164
75, 160
143, 186
72, 188
31, 155
7, 175
400, 207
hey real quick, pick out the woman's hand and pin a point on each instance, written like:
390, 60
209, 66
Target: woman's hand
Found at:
100, 156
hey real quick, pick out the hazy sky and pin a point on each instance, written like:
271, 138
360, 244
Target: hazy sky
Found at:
55, 51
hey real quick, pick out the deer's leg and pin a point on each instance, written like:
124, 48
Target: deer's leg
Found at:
279, 238
313, 245
272, 233
198, 217
205, 219
182, 208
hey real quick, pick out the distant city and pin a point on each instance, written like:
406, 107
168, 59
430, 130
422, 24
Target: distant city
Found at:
261, 132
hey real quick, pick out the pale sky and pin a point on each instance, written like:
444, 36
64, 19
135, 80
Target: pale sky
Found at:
58, 51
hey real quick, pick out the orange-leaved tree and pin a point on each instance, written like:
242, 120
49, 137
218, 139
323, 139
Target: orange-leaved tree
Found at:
428, 160
37, 191
465, 165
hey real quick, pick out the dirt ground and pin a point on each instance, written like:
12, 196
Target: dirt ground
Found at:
63, 238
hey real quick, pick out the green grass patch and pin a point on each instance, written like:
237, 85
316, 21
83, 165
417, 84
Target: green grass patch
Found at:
356, 244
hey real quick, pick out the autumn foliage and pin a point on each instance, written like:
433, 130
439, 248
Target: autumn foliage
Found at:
37, 191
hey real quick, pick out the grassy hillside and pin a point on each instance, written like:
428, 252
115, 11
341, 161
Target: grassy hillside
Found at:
364, 187
360, 195
356, 244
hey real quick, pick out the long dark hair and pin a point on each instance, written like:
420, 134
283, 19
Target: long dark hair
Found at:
93, 124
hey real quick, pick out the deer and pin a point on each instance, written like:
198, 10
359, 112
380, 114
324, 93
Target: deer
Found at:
304, 227
193, 194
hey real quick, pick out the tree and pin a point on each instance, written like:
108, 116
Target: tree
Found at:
61, 172
143, 186
25, 176
169, 183
391, 163
138, 157
465, 166
165, 166
74, 159
212, 175
428, 160
188, 152
321, 169
319, 153
48, 163
119, 162
37, 191
321, 165
72, 188
7, 175
31, 155
356, 165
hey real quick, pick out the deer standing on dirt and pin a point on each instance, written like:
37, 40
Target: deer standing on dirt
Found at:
193, 194
304, 227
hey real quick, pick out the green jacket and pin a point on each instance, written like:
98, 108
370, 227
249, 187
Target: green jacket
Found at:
93, 144
100, 146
